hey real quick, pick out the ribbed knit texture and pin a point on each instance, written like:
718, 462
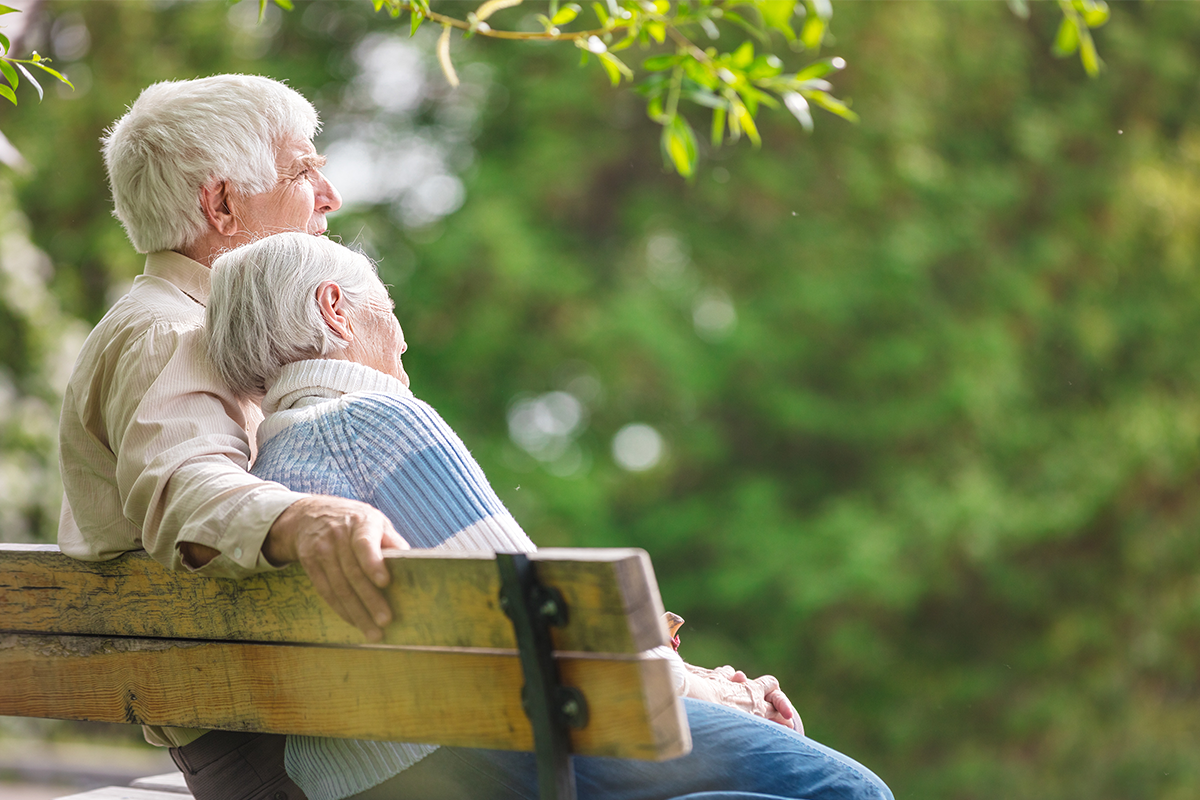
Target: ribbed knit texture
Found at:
345, 429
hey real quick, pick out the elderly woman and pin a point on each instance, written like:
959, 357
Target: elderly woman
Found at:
306, 325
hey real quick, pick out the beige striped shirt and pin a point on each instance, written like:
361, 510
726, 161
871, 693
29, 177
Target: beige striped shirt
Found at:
153, 447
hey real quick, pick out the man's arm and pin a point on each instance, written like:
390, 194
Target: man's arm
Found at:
340, 544
182, 453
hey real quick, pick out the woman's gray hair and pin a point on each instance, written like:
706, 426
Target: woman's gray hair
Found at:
181, 135
262, 310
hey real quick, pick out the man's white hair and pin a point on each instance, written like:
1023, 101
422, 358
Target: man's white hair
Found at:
262, 310
181, 135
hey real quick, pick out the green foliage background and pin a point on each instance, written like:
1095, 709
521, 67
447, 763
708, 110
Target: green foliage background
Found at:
940, 474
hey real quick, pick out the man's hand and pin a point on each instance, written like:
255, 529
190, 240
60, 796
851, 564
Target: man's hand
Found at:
761, 697
339, 543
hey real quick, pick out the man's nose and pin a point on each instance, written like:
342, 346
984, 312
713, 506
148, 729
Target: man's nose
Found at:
327, 198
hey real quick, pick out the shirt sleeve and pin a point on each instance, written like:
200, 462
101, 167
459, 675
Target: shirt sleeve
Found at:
182, 453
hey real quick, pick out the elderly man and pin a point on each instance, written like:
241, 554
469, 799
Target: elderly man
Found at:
153, 447
305, 324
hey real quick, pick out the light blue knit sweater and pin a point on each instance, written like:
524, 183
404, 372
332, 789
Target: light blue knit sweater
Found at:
340, 428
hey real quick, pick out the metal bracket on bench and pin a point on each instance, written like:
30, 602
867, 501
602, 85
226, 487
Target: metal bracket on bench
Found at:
551, 707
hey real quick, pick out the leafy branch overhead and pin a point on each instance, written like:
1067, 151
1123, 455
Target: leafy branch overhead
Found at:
718, 57
10, 67
721, 57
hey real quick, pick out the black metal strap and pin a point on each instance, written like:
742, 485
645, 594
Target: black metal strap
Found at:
551, 707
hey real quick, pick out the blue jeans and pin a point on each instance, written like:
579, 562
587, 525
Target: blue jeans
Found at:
734, 757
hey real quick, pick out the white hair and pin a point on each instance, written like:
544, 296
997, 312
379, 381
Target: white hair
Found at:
181, 135
262, 310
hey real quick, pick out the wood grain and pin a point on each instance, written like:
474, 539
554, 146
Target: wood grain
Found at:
436, 695
438, 600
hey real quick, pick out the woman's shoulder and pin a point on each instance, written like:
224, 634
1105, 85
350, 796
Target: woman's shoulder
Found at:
399, 412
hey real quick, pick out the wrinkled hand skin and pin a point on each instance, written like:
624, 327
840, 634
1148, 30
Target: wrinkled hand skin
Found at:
761, 697
340, 544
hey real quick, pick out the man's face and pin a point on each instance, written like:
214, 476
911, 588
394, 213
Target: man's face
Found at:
300, 200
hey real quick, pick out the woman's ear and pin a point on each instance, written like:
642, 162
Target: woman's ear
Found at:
214, 202
331, 303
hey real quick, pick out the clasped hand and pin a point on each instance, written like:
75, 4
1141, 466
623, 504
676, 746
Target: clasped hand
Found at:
761, 696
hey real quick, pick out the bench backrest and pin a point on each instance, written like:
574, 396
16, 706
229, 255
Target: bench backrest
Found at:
128, 640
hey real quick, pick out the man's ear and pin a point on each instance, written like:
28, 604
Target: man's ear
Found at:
331, 303
214, 202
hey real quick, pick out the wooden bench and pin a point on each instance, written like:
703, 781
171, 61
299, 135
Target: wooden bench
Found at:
130, 641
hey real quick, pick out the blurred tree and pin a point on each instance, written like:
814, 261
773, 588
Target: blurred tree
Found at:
906, 413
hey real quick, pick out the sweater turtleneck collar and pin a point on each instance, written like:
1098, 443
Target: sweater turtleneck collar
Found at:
304, 383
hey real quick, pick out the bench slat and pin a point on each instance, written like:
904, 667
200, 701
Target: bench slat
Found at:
126, 793
440, 599
442, 696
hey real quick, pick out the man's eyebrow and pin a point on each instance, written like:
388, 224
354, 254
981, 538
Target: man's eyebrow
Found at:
311, 161
306, 161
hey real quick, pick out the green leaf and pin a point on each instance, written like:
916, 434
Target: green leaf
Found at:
9, 73
621, 45
601, 14
4, 44
1089, 56
417, 19
42, 66
813, 32
286, 5
718, 126
615, 68
744, 55
735, 126
704, 97
1067, 40
654, 109
661, 63
7, 93
777, 14
746, 120
765, 66
1094, 12
9, 10
657, 31
702, 74
29, 76
262, 10
819, 69
832, 104
566, 14
679, 146
754, 97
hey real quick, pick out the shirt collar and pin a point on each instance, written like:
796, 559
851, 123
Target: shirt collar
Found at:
305, 382
190, 277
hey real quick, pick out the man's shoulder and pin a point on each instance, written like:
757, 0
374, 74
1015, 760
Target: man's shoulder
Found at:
151, 305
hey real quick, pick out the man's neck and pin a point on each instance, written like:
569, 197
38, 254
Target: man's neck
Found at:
205, 249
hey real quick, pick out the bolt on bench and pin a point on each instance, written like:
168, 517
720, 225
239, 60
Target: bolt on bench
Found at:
547, 650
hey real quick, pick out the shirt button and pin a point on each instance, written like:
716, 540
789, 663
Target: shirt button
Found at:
237, 552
